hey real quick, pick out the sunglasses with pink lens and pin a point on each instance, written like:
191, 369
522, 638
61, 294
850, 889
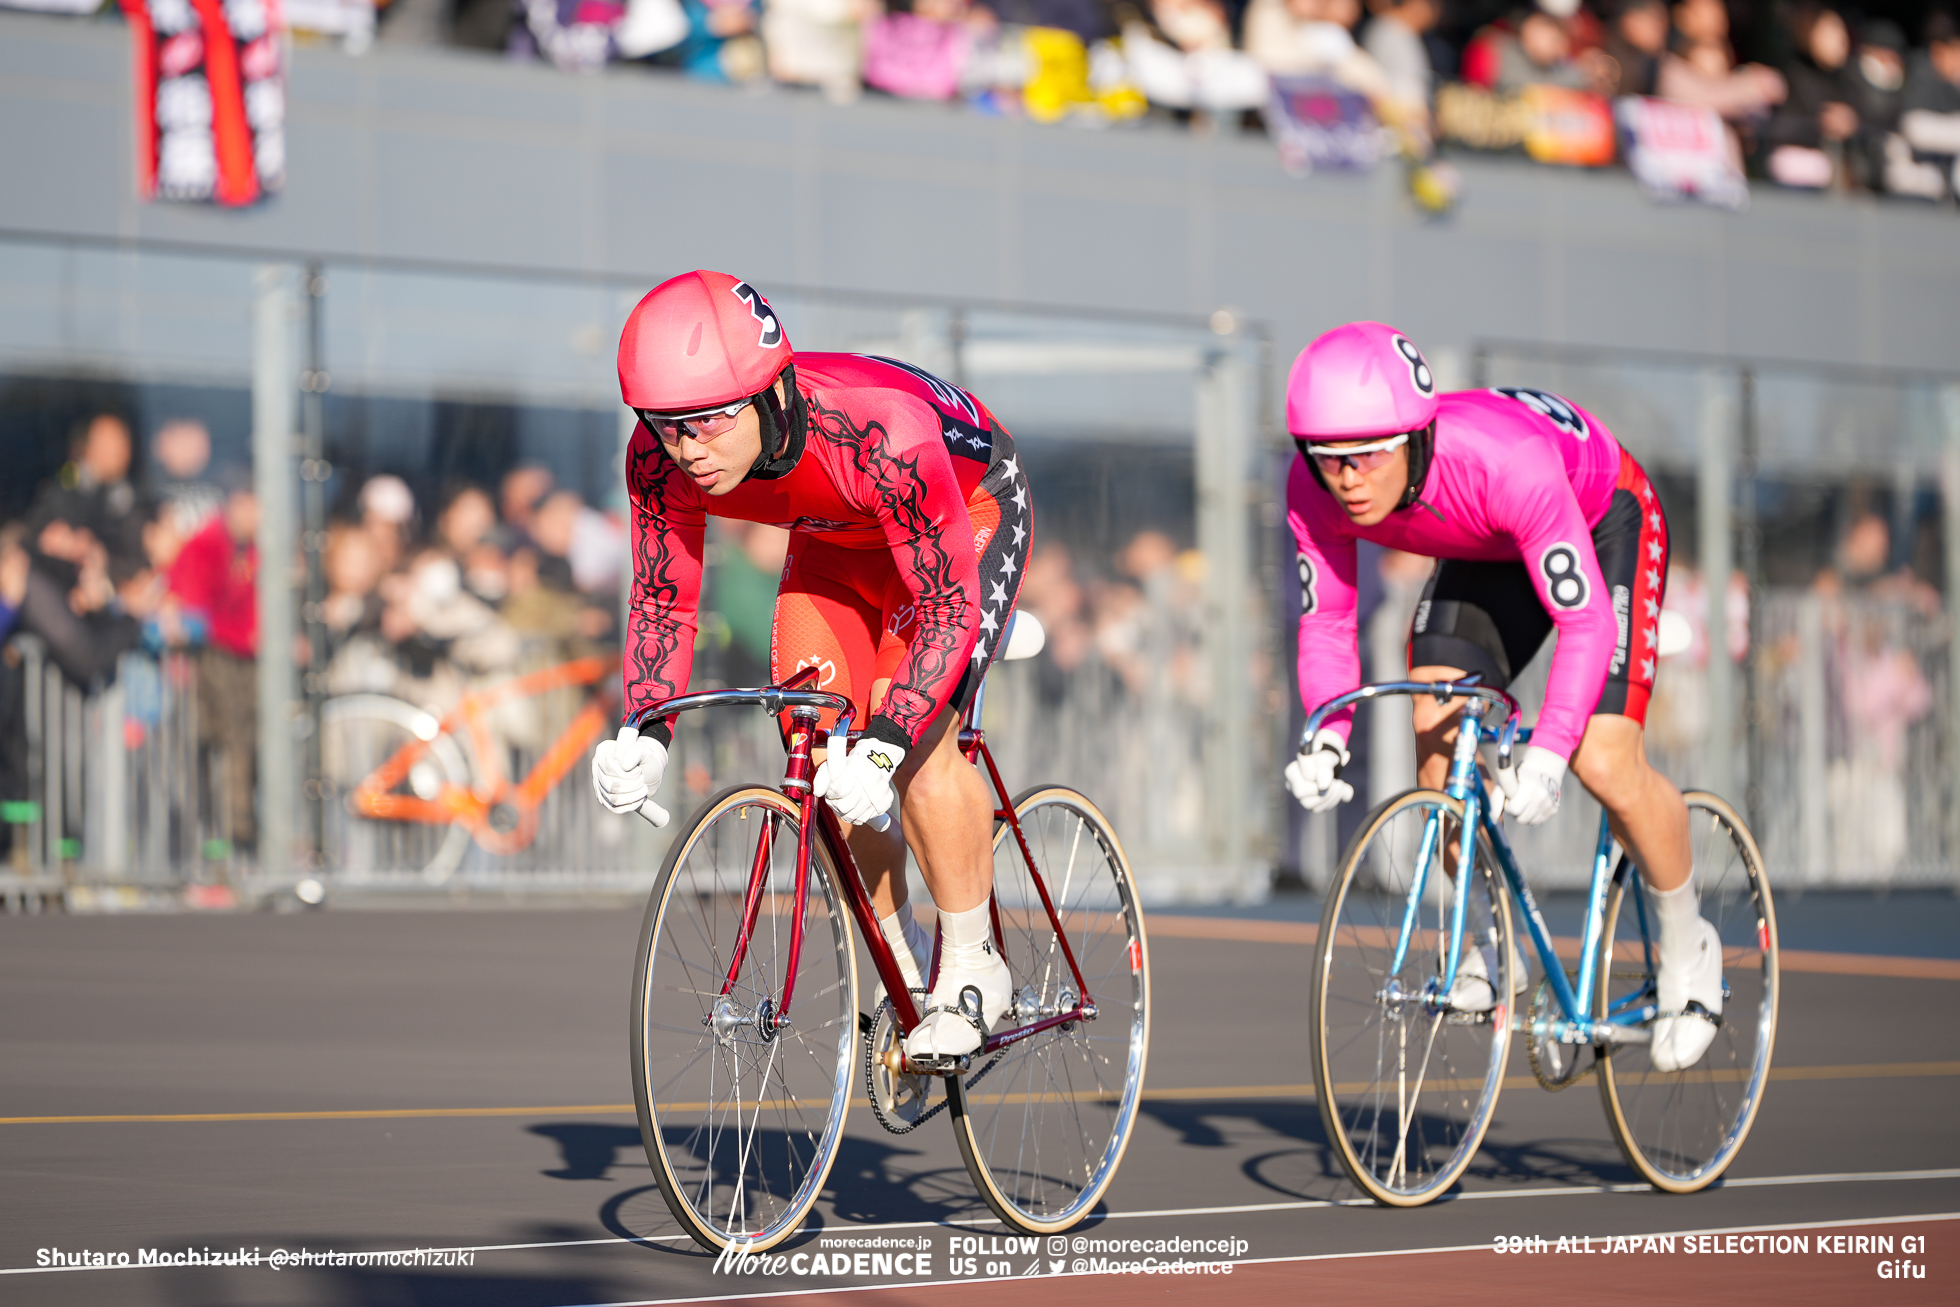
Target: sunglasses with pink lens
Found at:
1362, 458
703, 425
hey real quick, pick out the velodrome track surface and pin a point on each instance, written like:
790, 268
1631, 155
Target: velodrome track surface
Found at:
362, 1082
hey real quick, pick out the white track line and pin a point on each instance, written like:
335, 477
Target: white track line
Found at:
1559, 1191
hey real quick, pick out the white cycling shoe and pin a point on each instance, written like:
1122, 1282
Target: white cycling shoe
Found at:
1473, 991
956, 1021
1690, 1000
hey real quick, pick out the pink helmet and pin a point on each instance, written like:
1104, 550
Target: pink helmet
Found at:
697, 340
1364, 379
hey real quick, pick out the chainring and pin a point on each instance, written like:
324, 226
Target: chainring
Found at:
901, 1103
1558, 1065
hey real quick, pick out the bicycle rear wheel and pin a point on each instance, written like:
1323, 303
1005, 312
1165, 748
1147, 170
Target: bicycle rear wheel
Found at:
359, 733
1407, 1085
742, 1110
1043, 1122
1681, 1130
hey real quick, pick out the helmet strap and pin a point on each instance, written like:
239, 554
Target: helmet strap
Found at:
1422, 450
783, 428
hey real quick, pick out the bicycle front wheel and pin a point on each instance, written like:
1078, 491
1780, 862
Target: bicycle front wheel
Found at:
1043, 1122
1681, 1130
1407, 1083
741, 1101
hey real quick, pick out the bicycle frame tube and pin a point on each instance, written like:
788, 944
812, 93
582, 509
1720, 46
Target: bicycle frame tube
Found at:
1466, 783
372, 797
1635, 1009
973, 743
1595, 919
1432, 831
816, 822
1534, 920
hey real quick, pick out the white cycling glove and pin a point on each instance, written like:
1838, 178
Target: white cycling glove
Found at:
1315, 776
626, 772
1531, 787
859, 785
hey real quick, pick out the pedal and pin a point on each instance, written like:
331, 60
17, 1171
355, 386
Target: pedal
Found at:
948, 1065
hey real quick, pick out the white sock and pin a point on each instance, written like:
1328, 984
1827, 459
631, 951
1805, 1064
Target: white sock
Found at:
1675, 913
966, 938
909, 943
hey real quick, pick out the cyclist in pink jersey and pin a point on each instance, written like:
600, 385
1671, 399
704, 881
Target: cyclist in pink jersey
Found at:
909, 525
1539, 521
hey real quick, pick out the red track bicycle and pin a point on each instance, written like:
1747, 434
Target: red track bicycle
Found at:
748, 1041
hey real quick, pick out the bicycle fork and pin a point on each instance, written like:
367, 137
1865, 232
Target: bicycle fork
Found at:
1460, 786
796, 780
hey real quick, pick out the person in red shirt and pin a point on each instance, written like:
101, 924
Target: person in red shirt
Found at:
909, 517
214, 582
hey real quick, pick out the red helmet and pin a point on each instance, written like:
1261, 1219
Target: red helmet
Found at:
698, 340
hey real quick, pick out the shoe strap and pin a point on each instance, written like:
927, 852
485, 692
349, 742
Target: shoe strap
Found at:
973, 1016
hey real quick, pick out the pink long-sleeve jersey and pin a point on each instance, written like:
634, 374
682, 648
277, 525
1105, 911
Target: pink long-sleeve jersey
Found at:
1517, 475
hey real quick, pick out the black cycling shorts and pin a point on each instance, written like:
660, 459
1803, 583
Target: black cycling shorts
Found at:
1485, 617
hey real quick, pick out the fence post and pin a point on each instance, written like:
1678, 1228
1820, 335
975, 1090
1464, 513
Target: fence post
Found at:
1950, 530
36, 713
1717, 548
275, 394
1222, 455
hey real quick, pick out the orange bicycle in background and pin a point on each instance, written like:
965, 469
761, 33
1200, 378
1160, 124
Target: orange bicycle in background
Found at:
408, 790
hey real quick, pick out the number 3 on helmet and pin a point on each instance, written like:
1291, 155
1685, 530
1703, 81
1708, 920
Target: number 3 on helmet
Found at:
1361, 380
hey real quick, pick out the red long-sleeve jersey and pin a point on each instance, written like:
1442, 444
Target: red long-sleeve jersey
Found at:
887, 458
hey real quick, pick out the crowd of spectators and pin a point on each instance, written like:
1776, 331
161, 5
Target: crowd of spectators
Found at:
1804, 94
486, 585
106, 562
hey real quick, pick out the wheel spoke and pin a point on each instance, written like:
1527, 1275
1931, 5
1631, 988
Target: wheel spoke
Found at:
1042, 1129
747, 1114
1405, 1109
1681, 1130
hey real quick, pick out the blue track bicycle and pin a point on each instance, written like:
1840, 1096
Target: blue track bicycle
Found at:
1407, 1083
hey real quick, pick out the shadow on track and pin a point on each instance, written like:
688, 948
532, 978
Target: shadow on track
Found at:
591, 1151
1314, 1172
870, 1184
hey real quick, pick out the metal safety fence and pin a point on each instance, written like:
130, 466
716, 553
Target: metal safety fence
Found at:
1815, 686
363, 404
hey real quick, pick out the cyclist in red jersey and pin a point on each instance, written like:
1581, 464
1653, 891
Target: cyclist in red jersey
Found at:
909, 525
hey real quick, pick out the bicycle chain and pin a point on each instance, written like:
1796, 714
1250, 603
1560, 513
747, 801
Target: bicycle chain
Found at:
871, 1088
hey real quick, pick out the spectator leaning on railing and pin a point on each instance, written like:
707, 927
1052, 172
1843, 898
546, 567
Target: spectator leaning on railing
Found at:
215, 577
1635, 43
1701, 69
1877, 77
1395, 41
1930, 117
1807, 137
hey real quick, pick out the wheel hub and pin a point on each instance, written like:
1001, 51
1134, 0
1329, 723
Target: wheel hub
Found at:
729, 1020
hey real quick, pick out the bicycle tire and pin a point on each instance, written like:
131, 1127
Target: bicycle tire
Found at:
1404, 1149
1680, 1130
359, 732
1044, 1135
709, 1070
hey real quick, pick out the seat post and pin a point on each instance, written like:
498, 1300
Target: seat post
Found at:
979, 701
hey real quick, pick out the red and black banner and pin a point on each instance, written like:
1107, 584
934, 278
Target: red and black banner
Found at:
210, 99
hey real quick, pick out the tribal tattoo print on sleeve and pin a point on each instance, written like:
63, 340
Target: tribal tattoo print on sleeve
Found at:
669, 527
